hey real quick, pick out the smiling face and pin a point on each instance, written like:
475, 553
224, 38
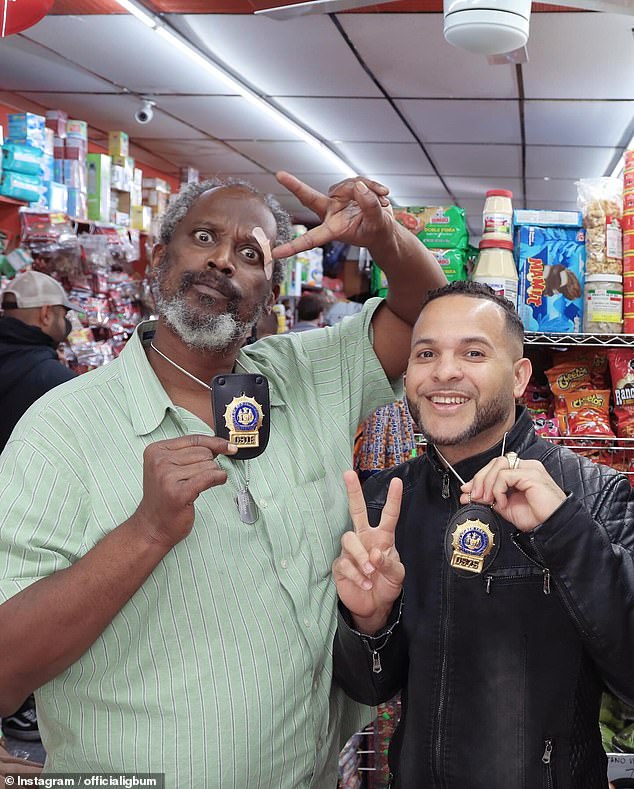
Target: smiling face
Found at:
464, 373
211, 284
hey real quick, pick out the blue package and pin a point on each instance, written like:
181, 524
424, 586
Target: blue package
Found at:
551, 263
21, 159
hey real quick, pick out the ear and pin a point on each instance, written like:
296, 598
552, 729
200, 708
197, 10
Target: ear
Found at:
158, 250
275, 293
522, 371
45, 316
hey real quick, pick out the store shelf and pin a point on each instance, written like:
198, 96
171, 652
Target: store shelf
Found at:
591, 340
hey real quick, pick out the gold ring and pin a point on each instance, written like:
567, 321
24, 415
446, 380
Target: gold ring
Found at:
512, 459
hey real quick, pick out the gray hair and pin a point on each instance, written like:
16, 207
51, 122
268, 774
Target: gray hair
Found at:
188, 195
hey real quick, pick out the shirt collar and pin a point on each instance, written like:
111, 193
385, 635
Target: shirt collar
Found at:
148, 402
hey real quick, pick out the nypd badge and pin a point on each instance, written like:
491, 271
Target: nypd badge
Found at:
471, 539
243, 418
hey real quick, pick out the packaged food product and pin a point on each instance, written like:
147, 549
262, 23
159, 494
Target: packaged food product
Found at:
497, 217
563, 379
551, 268
588, 413
621, 362
603, 304
453, 262
601, 203
438, 227
496, 268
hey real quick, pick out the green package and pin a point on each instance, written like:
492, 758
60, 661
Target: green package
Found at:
438, 227
453, 262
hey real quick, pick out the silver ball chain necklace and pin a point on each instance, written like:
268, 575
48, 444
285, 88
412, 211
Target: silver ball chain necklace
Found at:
245, 504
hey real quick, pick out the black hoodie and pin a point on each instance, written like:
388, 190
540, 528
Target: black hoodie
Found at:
29, 367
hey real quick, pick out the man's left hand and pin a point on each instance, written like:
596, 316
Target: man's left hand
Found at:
355, 211
525, 495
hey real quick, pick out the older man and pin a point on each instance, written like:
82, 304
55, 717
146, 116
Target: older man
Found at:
168, 629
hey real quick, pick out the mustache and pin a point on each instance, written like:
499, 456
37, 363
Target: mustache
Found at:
221, 284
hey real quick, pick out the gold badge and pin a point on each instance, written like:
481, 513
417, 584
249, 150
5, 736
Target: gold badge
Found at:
243, 419
472, 541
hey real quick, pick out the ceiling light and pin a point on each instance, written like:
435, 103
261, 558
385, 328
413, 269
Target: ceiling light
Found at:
234, 84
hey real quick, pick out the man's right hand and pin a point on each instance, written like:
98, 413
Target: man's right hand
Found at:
175, 472
368, 573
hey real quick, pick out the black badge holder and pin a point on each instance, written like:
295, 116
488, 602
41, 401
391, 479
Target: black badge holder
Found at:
241, 408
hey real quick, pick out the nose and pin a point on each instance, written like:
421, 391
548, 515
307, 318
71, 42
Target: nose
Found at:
447, 368
221, 258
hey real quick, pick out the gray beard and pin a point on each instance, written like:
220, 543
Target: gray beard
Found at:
204, 332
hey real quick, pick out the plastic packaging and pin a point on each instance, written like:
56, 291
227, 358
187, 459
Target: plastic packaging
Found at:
497, 217
496, 268
603, 304
601, 203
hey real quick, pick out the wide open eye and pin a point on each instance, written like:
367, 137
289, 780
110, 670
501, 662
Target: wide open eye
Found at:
204, 236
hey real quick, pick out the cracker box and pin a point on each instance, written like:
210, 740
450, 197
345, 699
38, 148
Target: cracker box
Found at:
551, 269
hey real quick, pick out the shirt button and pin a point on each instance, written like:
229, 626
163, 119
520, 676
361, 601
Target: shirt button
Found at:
284, 564
315, 684
263, 504
307, 622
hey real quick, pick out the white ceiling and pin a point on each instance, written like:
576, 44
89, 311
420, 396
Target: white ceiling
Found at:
436, 124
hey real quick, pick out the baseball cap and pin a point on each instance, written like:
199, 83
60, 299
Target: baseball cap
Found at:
34, 289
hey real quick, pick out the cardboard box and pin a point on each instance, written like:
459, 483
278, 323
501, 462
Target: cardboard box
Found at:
98, 185
141, 218
543, 218
75, 128
118, 143
188, 175
158, 184
26, 128
56, 120
551, 264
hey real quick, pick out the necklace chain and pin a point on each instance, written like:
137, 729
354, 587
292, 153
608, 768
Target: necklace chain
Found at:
178, 367
453, 470
202, 383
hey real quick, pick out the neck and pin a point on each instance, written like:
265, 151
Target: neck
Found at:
202, 364
487, 439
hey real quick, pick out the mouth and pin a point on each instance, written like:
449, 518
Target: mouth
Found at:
209, 290
448, 402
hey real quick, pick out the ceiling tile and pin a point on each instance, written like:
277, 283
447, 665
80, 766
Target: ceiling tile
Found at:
463, 121
375, 157
563, 190
567, 162
296, 157
594, 123
116, 112
349, 119
299, 57
480, 160
582, 56
415, 189
226, 117
25, 65
476, 188
410, 57
122, 49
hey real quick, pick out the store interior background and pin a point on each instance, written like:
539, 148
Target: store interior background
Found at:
381, 86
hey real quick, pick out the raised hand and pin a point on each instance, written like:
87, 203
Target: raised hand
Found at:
355, 211
525, 495
368, 572
175, 472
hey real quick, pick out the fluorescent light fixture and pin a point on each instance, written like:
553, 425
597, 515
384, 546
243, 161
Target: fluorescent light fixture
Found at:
233, 84
138, 12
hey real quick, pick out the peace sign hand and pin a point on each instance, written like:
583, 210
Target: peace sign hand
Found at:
355, 211
368, 573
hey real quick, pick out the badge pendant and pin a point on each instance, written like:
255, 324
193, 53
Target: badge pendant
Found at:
472, 539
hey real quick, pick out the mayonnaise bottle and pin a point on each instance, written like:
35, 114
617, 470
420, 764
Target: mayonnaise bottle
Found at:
495, 267
497, 217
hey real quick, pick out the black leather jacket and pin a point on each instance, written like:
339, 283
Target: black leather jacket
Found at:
501, 673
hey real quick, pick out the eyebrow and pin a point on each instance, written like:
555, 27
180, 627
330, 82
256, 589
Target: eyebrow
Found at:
477, 339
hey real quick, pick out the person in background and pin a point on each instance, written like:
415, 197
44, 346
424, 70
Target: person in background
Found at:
265, 327
152, 584
33, 324
498, 595
310, 312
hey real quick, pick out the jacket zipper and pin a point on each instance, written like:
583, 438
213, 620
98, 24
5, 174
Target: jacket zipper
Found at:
549, 744
540, 563
446, 494
490, 578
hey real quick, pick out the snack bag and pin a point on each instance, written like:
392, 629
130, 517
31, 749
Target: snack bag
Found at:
621, 362
589, 413
601, 203
565, 378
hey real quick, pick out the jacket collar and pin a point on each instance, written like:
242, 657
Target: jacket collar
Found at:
517, 439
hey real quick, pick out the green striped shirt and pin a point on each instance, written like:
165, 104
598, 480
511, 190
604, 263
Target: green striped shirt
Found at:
217, 672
